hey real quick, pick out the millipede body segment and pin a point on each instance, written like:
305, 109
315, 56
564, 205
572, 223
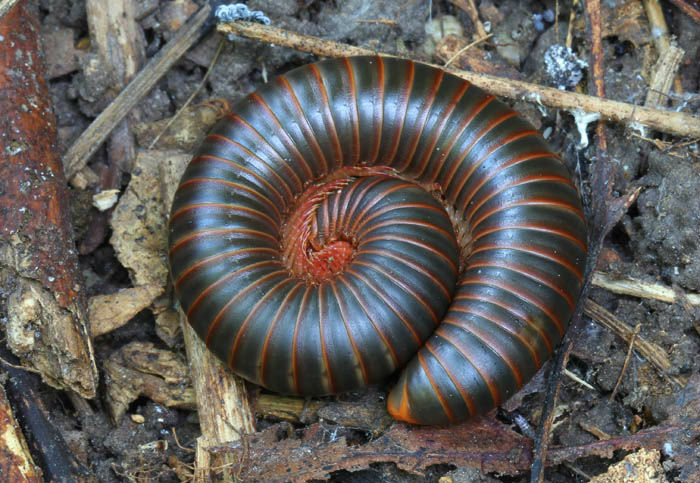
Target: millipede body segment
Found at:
316, 245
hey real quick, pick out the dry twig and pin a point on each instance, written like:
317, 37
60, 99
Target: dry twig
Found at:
658, 25
597, 69
464, 49
91, 139
640, 288
577, 379
626, 363
650, 351
692, 11
671, 122
662, 78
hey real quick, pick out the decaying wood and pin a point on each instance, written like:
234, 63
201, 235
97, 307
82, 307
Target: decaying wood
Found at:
288, 408
642, 289
486, 444
661, 36
140, 369
88, 142
222, 404
120, 47
693, 11
642, 466
50, 450
117, 38
108, 312
665, 121
16, 463
662, 78
596, 68
46, 310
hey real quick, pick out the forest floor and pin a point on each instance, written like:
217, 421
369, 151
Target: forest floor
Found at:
641, 405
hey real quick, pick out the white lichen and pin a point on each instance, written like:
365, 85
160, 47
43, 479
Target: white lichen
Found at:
563, 66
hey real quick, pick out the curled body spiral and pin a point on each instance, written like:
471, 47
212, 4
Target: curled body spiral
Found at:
318, 240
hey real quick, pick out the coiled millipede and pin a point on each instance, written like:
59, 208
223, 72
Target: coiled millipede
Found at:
361, 214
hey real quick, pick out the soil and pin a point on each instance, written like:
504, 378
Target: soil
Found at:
657, 240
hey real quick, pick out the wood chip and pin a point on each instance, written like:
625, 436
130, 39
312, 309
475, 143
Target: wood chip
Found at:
16, 464
642, 466
106, 199
109, 312
139, 369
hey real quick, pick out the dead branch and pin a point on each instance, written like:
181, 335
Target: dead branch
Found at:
692, 11
46, 308
666, 121
650, 351
85, 146
640, 288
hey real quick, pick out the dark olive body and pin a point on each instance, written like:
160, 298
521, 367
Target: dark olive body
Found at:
467, 339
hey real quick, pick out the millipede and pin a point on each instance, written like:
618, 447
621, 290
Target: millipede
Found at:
361, 215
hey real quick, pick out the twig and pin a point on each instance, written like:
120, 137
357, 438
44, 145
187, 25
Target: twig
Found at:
465, 48
671, 122
578, 472
596, 81
626, 363
222, 403
541, 447
650, 351
19, 366
570, 30
594, 430
177, 441
664, 73
640, 288
381, 21
669, 147
575, 378
86, 145
691, 11
662, 37
58, 461
658, 25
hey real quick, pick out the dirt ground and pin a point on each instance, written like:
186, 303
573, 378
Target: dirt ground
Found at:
656, 241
